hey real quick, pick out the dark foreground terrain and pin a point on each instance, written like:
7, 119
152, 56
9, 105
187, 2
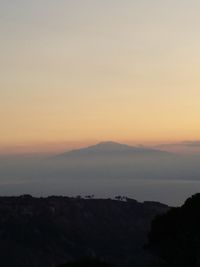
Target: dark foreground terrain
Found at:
46, 232
175, 235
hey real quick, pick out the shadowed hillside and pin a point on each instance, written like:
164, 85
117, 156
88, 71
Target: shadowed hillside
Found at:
46, 232
86, 263
175, 236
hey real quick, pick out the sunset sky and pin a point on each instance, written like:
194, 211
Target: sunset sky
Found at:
74, 72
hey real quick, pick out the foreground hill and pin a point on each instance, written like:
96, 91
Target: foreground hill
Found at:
175, 235
46, 232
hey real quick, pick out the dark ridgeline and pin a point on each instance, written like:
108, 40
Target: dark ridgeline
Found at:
87, 263
175, 236
46, 232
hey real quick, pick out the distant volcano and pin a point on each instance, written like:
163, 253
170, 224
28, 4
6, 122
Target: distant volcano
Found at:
109, 148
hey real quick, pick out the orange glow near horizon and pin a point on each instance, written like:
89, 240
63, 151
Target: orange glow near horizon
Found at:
102, 70
60, 147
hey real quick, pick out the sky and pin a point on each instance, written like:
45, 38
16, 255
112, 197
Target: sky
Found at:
75, 72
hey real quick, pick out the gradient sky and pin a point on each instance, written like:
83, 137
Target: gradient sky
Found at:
74, 70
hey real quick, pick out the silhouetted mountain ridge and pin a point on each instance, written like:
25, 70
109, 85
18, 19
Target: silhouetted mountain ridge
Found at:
111, 148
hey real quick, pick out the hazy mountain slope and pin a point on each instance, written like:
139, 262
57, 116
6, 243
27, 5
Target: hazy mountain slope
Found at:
104, 170
111, 160
114, 149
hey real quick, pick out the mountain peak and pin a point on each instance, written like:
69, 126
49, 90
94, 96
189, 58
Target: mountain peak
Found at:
109, 144
112, 148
